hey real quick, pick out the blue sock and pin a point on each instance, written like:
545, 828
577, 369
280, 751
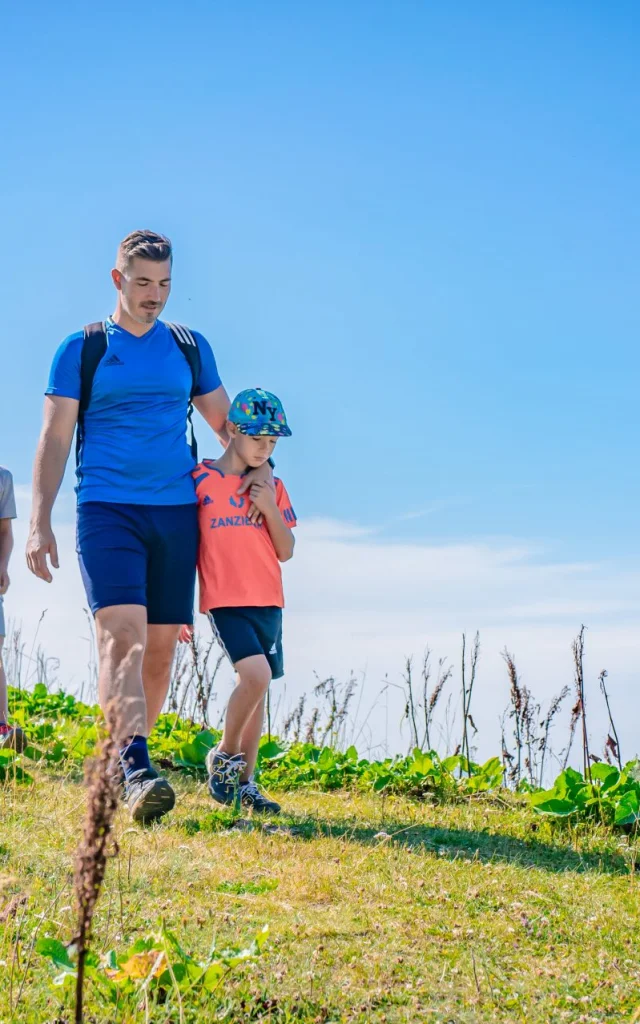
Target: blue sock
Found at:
134, 756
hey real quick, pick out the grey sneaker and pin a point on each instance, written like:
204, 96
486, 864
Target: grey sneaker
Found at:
148, 796
250, 796
14, 739
224, 775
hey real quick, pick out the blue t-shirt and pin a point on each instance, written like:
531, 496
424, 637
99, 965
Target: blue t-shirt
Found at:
135, 447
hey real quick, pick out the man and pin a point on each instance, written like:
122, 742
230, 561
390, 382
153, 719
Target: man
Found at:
9, 736
137, 519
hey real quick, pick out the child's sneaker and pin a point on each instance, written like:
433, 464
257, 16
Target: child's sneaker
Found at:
224, 775
250, 796
12, 738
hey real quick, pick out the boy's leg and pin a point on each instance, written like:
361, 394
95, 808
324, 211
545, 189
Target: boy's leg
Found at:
254, 676
9, 737
4, 704
226, 761
250, 794
251, 740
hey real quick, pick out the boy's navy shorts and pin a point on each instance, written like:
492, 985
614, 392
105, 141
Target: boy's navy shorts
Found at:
243, 632
139, 554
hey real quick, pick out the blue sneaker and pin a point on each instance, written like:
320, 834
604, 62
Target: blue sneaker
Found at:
224, 776
250, 796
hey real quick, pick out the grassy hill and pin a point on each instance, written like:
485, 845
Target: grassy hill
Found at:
379, 909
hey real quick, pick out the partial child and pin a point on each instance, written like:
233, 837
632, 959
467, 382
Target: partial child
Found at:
241, 585
9, 736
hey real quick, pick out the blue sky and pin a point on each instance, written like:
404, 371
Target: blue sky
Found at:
418, 223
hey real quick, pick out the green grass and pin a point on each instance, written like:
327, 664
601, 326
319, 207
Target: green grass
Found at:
379, 909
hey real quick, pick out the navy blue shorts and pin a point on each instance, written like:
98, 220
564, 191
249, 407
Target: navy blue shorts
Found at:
243, 632
139, 554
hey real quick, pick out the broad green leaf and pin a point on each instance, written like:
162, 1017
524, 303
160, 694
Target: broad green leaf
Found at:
628, 809
267, 751
55, 951
556, 806
604, 773
171, 938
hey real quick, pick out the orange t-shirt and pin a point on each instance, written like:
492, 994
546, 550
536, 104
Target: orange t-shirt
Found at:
237, 562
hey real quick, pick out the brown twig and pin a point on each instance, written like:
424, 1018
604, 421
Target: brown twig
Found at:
616, 742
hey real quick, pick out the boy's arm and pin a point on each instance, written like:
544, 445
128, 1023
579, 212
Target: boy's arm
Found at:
282, 537
263, 496
6, 547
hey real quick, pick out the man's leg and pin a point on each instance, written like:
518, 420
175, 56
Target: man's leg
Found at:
113, 548
170, 585
156, 669
122, 634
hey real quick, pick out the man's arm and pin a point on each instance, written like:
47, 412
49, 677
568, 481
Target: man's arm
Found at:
214, 408
6, 547
59, 421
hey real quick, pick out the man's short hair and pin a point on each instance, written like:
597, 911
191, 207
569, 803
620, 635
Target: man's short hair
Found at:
147, 245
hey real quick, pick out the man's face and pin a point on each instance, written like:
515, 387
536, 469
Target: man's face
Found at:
144, 288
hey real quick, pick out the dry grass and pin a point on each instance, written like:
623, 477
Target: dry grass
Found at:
462, 914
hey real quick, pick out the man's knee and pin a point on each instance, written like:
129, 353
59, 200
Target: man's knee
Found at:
121, 633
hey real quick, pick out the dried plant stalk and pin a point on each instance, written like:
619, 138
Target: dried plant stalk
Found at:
102, 774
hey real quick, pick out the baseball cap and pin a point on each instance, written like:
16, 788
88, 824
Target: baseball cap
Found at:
259, 413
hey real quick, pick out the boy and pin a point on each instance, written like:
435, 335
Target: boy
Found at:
241, 584
9, 737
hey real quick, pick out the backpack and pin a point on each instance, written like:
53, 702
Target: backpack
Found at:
94, 346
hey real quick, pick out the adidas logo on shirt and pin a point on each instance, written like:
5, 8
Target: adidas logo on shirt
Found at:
113, 361
273, 650
207, 500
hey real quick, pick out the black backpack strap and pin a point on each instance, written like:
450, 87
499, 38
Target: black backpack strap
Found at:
188, 345
94, 346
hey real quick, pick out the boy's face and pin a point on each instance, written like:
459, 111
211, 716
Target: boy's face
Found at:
253, 450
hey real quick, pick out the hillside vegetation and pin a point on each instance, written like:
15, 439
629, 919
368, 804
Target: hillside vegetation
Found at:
354, 906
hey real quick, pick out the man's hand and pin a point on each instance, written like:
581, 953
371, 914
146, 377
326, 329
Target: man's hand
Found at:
40, 544
262, 475
4, 582
263, 496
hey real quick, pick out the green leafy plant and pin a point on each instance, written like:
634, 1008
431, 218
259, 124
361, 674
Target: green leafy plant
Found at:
11, 769
154, 966
611, 796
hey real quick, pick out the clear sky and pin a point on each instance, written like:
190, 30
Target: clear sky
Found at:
418, 223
